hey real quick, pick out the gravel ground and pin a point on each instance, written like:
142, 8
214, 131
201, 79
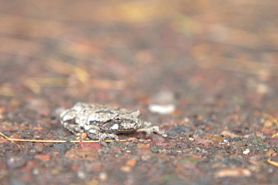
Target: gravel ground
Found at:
206, 72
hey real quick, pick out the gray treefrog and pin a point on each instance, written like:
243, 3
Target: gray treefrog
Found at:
103, 122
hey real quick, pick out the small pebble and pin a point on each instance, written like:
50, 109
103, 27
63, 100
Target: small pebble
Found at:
262, 89
145, 157
186, 120
246, 151
16, 162
81, 175
36, 171
191, 139
103, 176
125, 168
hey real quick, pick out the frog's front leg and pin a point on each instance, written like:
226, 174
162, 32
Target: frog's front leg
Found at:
77, 131
149, 129
106, 136
96, 134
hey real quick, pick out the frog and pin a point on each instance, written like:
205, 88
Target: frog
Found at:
102, 122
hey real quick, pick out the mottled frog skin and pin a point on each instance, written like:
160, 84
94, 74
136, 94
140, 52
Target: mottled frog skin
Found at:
103, 122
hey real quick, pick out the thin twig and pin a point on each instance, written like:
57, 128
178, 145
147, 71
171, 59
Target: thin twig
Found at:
55, 141
273, 163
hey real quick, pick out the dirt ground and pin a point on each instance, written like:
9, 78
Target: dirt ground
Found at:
206, 72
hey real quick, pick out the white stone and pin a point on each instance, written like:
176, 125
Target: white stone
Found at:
246, 151
162, 109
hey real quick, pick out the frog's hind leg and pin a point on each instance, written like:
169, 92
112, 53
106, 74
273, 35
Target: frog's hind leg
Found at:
102, 136
106, 136
149, 129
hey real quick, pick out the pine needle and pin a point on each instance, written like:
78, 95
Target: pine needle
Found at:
56, 141
273, 163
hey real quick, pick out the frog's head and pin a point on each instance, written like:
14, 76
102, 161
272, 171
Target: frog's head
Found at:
75, 119
69, 116
67, 119
76, 116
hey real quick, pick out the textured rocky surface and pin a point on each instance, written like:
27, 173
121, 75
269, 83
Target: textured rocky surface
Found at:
205, 72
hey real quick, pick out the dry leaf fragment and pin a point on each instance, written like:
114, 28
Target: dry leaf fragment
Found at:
233, 172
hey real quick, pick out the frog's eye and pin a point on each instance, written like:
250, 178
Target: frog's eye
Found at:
67, 116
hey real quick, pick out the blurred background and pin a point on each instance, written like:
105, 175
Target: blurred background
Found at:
206, 60
125, 51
